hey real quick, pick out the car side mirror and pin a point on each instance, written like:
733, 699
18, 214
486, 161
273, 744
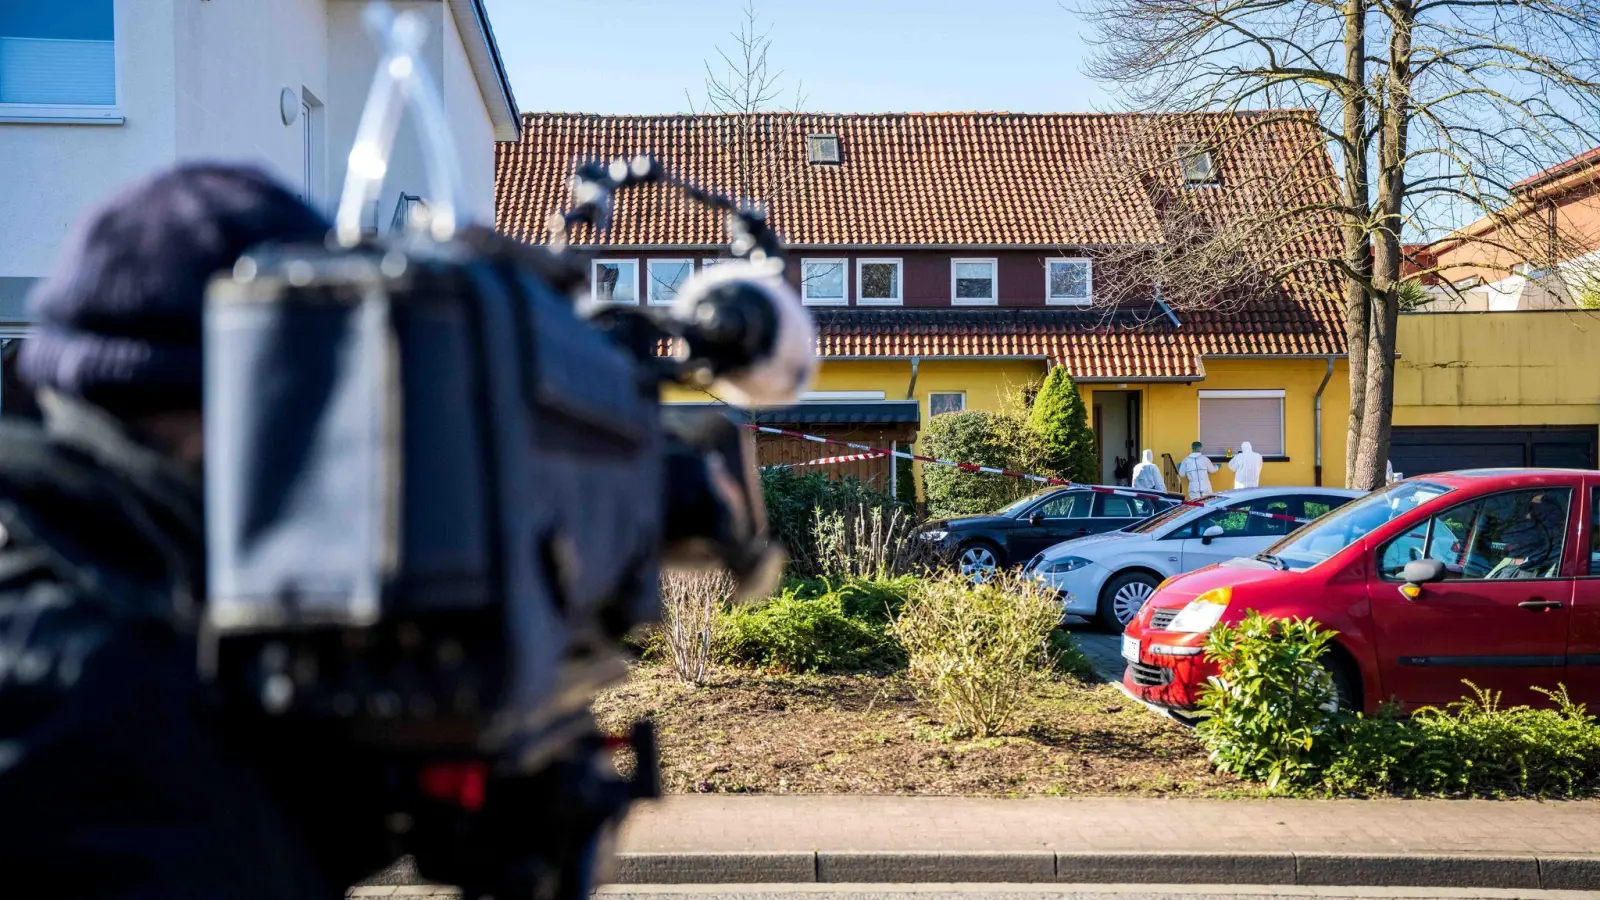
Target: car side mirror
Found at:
1211, 534
1423, 571
1419, 572
1036, 519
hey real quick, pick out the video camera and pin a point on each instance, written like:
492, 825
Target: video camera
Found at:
439, 490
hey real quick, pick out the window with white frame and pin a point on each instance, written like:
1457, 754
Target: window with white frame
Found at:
974, 282
664, 278
58, 59
1069, 281
1199, 165
946, 401
822, 148
822, 282
615, 281
1229, 418
878, 282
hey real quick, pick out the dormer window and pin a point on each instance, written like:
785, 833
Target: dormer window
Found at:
1199, 165
822, 149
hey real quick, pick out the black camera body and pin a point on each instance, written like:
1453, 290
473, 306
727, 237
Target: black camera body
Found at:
438, 495
434, 498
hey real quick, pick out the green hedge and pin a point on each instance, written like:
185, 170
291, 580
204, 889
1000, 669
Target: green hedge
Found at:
815, 626
1270, 720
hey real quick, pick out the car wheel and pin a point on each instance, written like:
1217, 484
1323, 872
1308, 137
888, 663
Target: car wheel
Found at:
1122, 598
1344, 686
978, 561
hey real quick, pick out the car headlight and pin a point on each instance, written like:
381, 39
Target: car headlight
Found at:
1203, 612
934, 535
1065, 564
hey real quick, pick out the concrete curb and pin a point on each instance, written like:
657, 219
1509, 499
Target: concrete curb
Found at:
1176, 868
1466, 870
944, 868
716, 868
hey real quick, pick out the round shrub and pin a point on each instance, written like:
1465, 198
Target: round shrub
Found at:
987, 439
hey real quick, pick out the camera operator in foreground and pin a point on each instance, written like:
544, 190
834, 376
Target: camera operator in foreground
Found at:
120, 774
438, 490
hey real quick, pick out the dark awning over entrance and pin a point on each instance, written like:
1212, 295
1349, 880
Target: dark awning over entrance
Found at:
854, 412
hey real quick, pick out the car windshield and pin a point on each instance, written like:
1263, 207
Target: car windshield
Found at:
1163, 518
1344, 526
1017, 506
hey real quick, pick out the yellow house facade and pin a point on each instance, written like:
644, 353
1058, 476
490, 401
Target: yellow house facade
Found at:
1459, 377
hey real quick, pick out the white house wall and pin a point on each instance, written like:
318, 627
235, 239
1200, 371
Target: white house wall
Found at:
53, 173
203, 81
472, 126
234, 61
352, 60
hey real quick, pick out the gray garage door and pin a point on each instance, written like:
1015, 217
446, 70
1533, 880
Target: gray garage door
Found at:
1420, 450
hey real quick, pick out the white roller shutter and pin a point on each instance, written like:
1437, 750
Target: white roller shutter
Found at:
1229, 418
56, 72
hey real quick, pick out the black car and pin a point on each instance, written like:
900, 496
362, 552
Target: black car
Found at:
1011, 536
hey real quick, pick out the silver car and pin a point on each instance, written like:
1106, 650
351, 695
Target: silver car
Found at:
1108, 577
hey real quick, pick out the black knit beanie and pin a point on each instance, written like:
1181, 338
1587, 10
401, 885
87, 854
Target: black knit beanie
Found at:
119, 321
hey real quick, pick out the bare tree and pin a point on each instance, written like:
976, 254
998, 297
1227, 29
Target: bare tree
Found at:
743, 83
1430, 108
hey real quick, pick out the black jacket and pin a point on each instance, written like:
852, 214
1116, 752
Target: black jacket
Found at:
118, 776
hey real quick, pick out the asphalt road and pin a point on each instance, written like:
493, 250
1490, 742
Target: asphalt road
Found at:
1059, 892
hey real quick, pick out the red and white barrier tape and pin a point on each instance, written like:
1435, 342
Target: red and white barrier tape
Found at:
830, 460
870, 452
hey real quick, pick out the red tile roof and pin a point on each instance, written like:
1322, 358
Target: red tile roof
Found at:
1584, 164
971, 179
1090, 343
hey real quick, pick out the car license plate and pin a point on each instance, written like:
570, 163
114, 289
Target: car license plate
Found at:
1130, 648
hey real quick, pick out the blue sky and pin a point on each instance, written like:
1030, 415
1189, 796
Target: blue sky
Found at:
638, 56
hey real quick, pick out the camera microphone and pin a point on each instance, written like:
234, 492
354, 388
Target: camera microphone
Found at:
746, 328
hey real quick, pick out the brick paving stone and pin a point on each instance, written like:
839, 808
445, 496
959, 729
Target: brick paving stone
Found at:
1103, 650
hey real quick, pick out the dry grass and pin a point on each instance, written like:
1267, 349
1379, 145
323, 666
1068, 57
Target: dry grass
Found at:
745, 731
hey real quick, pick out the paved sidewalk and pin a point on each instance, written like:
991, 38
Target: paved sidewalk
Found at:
760, 839
723, 823
722, 839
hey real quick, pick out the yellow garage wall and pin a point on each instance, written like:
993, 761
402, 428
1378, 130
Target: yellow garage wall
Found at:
1509, 368
1172, 415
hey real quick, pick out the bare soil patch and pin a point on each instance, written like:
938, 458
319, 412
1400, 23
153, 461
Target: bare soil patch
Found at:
757, 732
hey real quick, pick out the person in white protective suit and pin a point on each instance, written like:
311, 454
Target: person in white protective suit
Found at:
1197, 468
1146, 476
1246, 467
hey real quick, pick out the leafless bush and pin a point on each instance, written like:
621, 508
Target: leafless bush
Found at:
690, 603
978, 649
867, 542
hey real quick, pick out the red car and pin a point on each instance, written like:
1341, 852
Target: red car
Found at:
1491, 576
